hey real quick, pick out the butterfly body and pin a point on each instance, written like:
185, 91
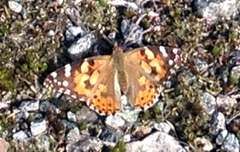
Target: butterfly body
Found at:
100, 80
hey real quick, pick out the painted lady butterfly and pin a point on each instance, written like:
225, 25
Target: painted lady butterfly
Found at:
100, 80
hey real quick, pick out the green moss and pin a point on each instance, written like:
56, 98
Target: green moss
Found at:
7, 82
120, 147
103, 3
75, 108
233, 35
216, 50
83, 126
100, 17
145, 116
5, 28
31, 118
233, 80
129, 13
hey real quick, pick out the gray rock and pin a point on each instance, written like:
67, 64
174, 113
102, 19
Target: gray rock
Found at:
112, 35
45, 106
140, 130
114, 121
110, 134
156, 142
132, 33
225, 75
85, 143
68, 124
125, 26
221, 137
37, 115
235, 58
86, 115
38, 126
163, 127
201, 64
224, 101
22, 114
218, 122
71, 116
127, 138
132, 5
231, 143
43, 142
4, 104
29, 105
15, 6
215, 10
235, 72
20, 136
209, 102
189, 78
129, 114
72, 32
73, 135
75, 15
81, 47
204, 143
161, 105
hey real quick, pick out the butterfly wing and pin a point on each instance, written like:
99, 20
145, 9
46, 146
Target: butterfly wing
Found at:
151, 65
90, 80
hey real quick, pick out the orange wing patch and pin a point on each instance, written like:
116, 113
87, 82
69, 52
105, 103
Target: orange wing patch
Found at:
148, 96
103, 105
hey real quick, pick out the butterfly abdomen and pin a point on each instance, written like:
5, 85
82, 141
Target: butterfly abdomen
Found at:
122, 81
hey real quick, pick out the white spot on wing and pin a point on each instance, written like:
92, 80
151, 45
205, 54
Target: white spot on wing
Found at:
68, 70
55, 80
170, 62
163, 50
73, 96
59, 83
175, 50
54, 74
65, 83
67, 91
60, 90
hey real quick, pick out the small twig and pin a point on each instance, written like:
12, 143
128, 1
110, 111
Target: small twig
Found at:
233, 118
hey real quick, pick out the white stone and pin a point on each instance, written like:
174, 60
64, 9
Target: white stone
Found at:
155, 142
20, 136
114, 121
15, 6
38, 126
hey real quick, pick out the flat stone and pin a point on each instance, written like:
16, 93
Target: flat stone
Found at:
38, 126
209, 102
29, 105
20, 136
85, 143
154, 143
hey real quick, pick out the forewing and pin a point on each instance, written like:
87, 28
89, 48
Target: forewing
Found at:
151, 66
90, 80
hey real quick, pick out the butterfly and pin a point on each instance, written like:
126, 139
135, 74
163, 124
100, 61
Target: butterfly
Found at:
101, 80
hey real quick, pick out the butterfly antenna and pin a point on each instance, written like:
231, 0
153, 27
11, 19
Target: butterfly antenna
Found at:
109, 40
127, 44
